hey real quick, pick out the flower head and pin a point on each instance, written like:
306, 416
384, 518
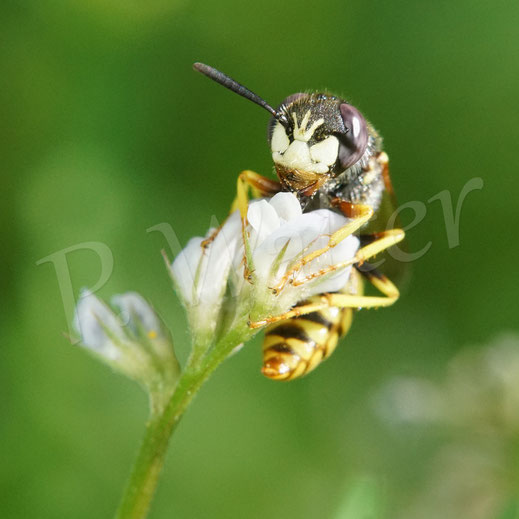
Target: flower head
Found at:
134, 342
209, 273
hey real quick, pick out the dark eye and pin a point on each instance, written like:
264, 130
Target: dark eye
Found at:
355, 139
284, 104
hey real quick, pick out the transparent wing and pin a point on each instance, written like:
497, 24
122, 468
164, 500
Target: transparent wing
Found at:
387, 218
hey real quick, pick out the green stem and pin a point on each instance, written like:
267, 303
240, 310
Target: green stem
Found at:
146, 470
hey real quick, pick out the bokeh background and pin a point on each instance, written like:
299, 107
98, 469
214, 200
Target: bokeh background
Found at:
106, 131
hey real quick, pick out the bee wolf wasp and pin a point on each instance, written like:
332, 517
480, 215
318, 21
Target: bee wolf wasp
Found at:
330, 156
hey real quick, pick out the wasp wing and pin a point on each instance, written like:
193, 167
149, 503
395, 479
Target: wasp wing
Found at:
390, 262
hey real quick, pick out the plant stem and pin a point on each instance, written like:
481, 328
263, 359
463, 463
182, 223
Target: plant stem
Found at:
145, 474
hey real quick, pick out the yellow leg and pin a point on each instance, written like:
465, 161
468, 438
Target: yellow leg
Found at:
361, 214
339, 300
260, 186
383, 241
379, 281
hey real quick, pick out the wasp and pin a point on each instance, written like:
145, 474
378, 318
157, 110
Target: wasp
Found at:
330, 156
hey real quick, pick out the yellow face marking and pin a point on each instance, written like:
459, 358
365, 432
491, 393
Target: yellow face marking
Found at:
280, 141
325, 151
300, 132
297, 155
152, 334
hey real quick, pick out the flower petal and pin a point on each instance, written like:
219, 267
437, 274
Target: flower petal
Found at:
279, 237
137, 313
184, 269
301, 236
92, 319
263, 219
220, 254
287, 206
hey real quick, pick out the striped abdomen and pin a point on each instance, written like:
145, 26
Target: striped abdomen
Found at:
296, 346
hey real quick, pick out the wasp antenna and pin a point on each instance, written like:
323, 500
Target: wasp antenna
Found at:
234, 86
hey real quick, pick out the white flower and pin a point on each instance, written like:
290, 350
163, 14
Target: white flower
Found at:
200, 272
135, 342
98, 326
280, 235
210, 279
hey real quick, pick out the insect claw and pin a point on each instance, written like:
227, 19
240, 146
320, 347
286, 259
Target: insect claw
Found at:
257, 324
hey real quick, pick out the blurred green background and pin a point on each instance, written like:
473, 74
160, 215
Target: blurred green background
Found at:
106, 131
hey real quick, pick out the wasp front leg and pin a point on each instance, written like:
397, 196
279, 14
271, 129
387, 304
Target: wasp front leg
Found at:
359, 215
260, 186
380, 242
375, 243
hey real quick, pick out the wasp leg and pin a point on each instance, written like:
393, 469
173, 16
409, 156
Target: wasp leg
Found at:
212, 236
382, 241
360, 215
340, 300
260, 186
376, 242
378, 280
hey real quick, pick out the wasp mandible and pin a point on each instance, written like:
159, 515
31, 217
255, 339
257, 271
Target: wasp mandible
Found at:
330, 156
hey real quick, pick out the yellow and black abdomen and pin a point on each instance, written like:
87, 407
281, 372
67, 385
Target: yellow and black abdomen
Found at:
298, 345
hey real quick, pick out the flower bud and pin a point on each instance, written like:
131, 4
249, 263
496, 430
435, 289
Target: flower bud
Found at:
134, 342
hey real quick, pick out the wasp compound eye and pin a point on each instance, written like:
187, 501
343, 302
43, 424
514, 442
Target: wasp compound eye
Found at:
354, 140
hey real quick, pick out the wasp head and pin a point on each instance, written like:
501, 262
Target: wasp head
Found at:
313, 138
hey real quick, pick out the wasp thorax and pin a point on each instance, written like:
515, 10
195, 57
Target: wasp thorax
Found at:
316, 137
